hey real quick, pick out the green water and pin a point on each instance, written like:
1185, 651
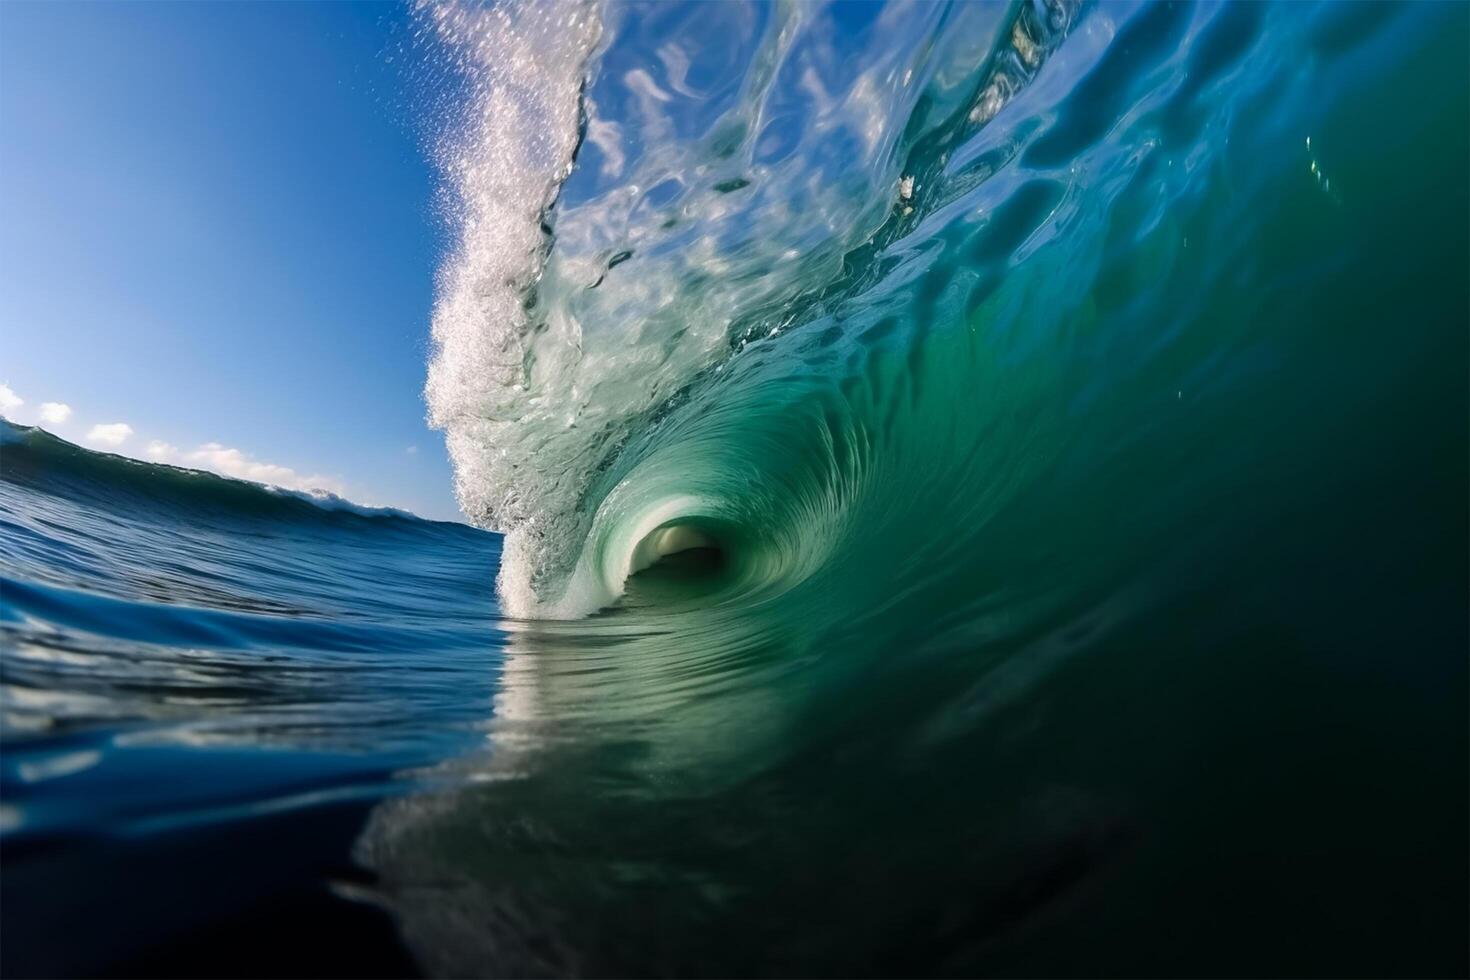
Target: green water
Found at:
1089, 572
984, 492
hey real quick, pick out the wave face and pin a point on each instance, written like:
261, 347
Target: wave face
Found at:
802, 279
748, 223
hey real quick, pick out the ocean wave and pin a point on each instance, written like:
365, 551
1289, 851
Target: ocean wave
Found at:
593, 298
726, 305
33, 456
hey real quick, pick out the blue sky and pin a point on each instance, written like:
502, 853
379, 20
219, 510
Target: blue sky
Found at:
219, 232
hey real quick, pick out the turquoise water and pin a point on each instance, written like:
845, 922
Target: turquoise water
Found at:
974, 490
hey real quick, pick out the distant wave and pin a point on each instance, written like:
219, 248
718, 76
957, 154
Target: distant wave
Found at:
33, 456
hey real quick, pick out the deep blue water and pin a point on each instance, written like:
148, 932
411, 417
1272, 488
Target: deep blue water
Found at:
207, 684
983, 491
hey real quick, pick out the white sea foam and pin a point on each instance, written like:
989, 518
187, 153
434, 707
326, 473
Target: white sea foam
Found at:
523, 69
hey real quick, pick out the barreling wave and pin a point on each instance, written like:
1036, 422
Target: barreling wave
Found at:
784, 290
597, 339
42, 461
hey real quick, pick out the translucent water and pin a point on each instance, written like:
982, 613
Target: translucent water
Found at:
982, 489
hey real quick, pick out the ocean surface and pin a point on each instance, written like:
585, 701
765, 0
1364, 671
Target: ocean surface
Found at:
968, 490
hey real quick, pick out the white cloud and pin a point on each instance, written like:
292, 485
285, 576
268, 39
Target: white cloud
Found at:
110, 433
412, 450
232, 462
160, 451
9, 400
55, 413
